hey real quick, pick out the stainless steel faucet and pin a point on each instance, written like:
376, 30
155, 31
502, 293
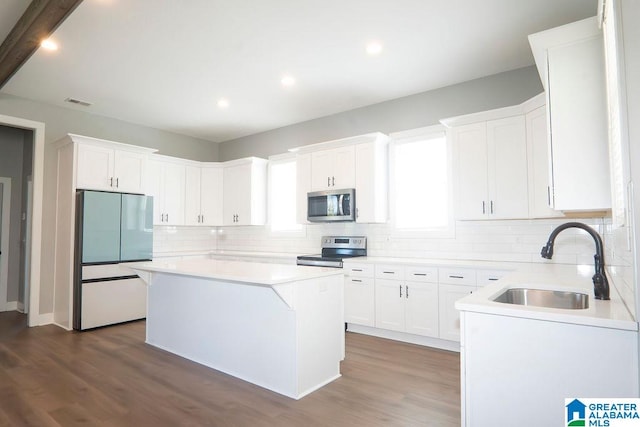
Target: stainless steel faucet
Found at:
600, 282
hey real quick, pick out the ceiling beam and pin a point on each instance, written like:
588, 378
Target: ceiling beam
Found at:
37, 23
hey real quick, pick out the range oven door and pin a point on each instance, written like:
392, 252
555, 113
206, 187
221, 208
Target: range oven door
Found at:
331, 205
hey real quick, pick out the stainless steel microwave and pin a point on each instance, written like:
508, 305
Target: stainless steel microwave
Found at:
331, 205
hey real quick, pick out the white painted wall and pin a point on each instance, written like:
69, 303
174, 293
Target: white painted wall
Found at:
411, 112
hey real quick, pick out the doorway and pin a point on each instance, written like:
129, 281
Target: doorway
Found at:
5, 209
29, 270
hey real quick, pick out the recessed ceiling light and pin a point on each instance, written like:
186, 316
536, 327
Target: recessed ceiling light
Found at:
374, 48
288, 80
49, 44
223, 103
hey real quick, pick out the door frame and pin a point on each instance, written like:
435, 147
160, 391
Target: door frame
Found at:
4, 240
34, 317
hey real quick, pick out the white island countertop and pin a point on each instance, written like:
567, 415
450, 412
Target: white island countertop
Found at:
256, 273
574, 278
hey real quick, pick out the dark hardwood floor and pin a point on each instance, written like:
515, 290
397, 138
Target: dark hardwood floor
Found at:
110, 377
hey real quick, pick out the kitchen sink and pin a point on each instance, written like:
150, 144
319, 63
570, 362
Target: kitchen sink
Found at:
544, 298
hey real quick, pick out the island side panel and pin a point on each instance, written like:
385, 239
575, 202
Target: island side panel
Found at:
320, 331
243, 330
523, 369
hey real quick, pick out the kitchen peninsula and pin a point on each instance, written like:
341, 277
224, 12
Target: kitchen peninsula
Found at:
277, 326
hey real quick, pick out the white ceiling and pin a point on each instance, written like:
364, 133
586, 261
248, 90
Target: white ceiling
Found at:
165, 63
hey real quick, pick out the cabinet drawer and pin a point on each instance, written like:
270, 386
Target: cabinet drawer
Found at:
389, 271
486, 277
457, 276
358, 270
364, 281
422, 274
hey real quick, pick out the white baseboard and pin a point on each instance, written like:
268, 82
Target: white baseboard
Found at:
404, 337
21, 307
11, 306
40, 319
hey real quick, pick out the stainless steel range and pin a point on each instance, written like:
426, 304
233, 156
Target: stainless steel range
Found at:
334, 250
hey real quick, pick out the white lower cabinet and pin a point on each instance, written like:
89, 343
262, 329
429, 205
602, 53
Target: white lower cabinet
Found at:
414, 299
359, 301
421, 308
405, 306
449, 321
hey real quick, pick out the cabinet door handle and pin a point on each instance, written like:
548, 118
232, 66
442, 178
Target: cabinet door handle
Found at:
483, 209
202, 219
493, 279
117, 182
492, 207
406, 293
111, 182
167, 217
328, 181
456, 277
419, 274
357, 213
356, 269
400, 291
356, 280
548, 195
333, 181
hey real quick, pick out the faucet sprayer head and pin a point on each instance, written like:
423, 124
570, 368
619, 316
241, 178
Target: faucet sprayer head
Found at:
547, 250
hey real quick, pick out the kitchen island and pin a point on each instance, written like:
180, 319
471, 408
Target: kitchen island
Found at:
277, 326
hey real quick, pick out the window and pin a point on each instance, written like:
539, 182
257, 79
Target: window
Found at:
282, 195
421, 180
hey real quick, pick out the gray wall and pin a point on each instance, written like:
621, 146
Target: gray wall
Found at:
423, 109
11, 165
60, 121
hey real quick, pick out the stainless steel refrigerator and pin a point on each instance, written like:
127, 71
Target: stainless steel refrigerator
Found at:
112, 229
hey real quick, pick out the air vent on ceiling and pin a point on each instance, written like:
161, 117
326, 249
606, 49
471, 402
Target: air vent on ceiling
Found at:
78, 101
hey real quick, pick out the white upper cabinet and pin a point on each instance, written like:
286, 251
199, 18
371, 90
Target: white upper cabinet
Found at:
491, 169
470, 142
211, 183
539, 173
333, 169
359, 162
570, 60
165, 181
244, 192
109, 166
507, 156
203, 195
371, 166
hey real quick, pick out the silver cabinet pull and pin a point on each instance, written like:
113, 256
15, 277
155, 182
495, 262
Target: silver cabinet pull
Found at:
548, 195
483, 209
117, 182
356, 280
388, 272
400, 291
333, 181
419, 274
406, 293
356, 269
328, 181
111, 182
456, 277
492, 207
202, 217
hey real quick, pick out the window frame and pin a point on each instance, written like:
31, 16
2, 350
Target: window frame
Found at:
413, 135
